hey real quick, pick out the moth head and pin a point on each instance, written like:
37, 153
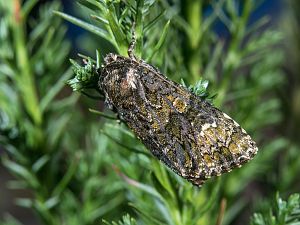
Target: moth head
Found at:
109, 58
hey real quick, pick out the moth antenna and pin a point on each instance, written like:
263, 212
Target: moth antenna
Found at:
132, 43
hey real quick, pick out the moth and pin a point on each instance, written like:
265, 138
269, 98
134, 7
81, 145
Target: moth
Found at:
188, 134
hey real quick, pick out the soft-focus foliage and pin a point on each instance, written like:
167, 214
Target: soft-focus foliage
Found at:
125, 221
40, 132
82, 168
283, 212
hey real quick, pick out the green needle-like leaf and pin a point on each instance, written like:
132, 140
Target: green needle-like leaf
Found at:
161, 41
94, 29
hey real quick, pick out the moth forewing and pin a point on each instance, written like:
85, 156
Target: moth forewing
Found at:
192, 137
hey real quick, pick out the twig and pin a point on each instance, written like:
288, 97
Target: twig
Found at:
222, 211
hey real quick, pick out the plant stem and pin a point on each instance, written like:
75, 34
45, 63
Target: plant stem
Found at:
233, 59
221, 211
25, 79
139, 28
193, 16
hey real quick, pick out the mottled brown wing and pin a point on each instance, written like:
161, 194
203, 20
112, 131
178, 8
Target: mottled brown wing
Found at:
193, 138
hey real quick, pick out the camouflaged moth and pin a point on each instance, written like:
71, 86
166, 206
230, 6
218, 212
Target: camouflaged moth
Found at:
188, 134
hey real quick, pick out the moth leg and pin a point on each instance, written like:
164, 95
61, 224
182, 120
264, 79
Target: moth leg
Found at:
131, 47
198, 182
119, 120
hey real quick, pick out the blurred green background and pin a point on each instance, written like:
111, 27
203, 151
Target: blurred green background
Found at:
62, 164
